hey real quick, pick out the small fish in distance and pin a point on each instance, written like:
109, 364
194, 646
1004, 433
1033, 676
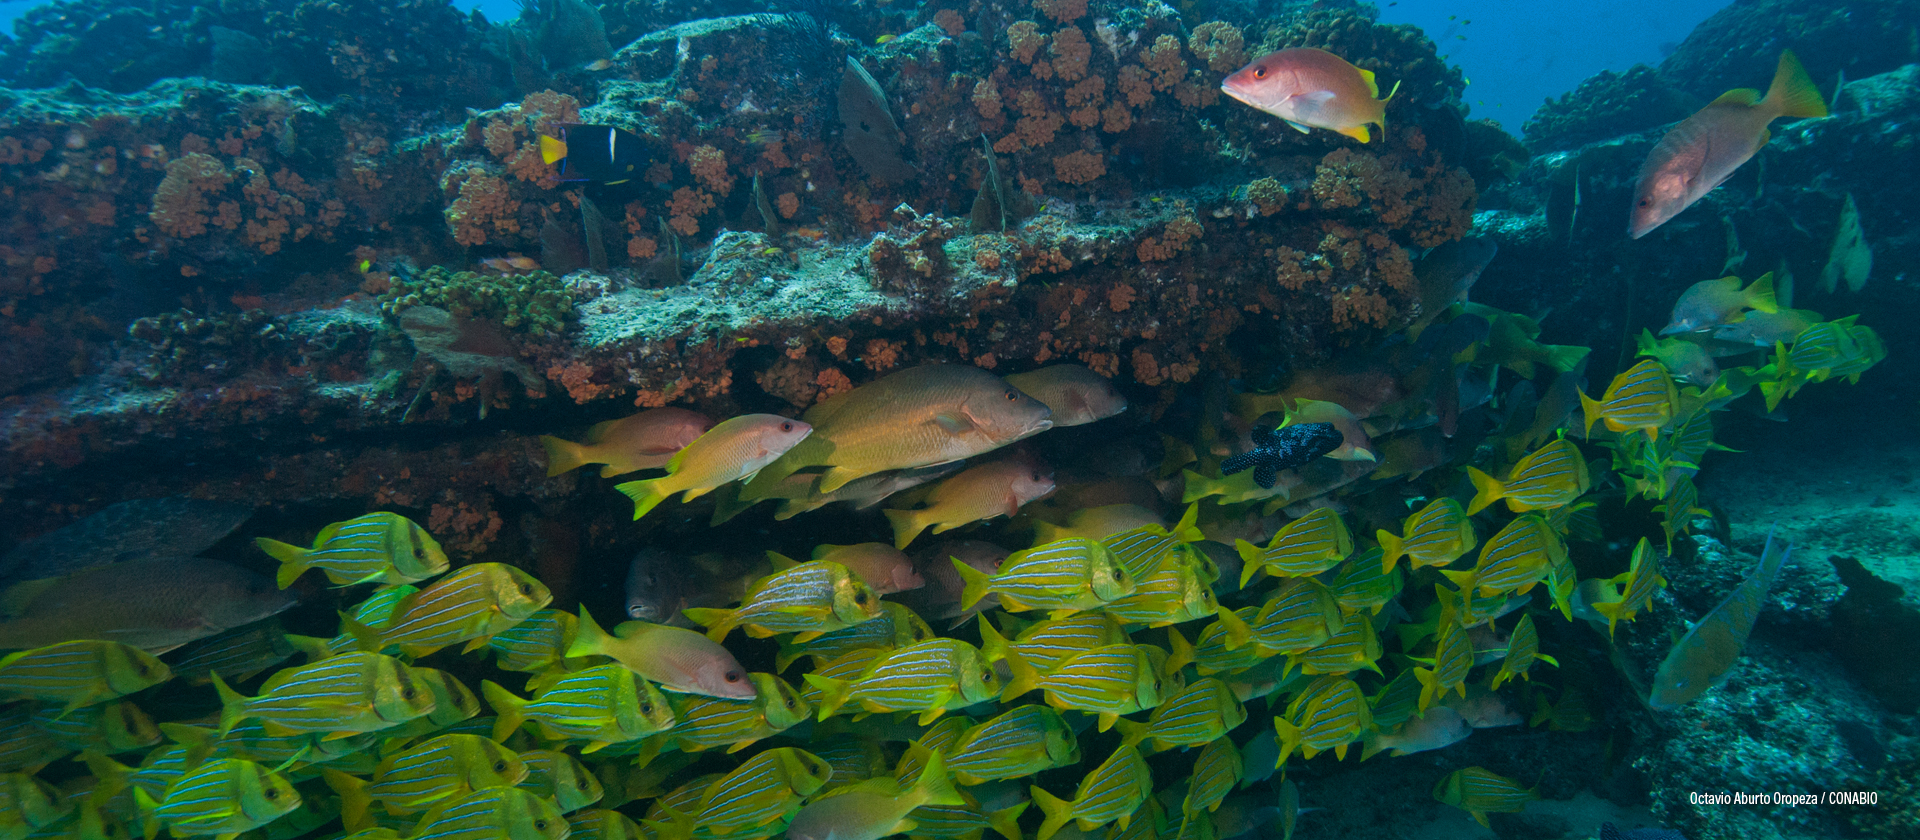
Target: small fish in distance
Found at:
1279, 449
595, 153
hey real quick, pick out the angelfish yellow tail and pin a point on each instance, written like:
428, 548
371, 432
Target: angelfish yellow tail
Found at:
552, 148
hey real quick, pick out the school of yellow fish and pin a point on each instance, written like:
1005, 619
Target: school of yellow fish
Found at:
1119, 676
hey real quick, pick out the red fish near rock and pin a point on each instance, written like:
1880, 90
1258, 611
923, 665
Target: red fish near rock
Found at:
1704, 149
1312, 88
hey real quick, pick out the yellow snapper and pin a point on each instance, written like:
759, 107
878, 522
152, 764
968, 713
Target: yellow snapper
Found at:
1713, 303
428, 772
1176, 590
1311, 88
602, 705
1641, 581
1703, 150
810, 599
1066, 576
643, 441
375, 548
26, 804
883, 567
1109, 794
1480, 791
1107, 681
342, 696
536, 643
1019, 742
1202, 712
1514, 559
1075, 394
1452, 659
1688, 357
1309, 545
1642, 399
225, 796
1512, 342
1352, 647
244, 651
1549, 477
560, 777
155, 603
875, 808
1361, 585
506, 813
109, 728
679, 659
1215, 774
80, 673
470, 605
1703, 657
737, 448
702, 723
930, 677
1098, 523
917, 417
453, 702
1523, 648
1043, 645
996, 488
765, 789
1326, 715
604, 824
1301, 615
896, 627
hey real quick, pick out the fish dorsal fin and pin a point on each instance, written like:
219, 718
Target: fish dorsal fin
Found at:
781, 562
1737, 96
1373, 87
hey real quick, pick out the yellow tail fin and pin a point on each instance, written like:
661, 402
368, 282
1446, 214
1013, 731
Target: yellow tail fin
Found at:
552, 149
906, 526
1792, 93
292, 559
1760, 295
1391, 547
646, 494
1058, 811
1486, 491
562, 455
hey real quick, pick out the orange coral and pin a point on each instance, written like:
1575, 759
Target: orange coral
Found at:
986, 100
1080, 167
831, 382
1136, 84
548, 107
788, 204
1071, 52
1120, 297
1434, 203
1024, 38
1062, 11
685, 208
578, 379
710, 166
882, 355
180, 202
483, 206
950, 21
1172, 240
1163, 58
642, 248
1220, 44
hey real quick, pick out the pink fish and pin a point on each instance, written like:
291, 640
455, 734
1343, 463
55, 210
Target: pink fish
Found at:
1312, 88
1704, 149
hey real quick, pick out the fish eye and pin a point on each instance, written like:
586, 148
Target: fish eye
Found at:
500, 766
731, 676
789, 702
860, 597
526, 589
787, 426
646, 708
1013, 395
406, 693
986, 676
271, 793
1646, 202
540, 824
419, 553
1260, 71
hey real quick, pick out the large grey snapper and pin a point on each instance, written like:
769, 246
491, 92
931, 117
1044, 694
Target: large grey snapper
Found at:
132, 530
156, 604
918, 417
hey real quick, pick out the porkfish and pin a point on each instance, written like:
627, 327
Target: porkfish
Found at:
918, 417
1312, 88
1704, 149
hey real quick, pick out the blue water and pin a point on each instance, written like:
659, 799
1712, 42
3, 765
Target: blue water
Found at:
1515, 53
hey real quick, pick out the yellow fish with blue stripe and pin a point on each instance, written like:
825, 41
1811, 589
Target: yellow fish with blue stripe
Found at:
342, 697
26, 804
1064, 576
80, 673
1309, 545
877, 807
1301, 615
224, 797
930, 677
1353, 646
604, 824
1043, 645
1365, 583
767, 788
1326, 715
1215, 774
1018, 742
896, 627
1480, 791
561, 778
1106, 681
1641, 581
1202, 712
375, 548
1642, 399
1548, 477
1436, 535
1109, 794
602, 705
535, 644
435, 769
702, 723
494, 813
1175, 591
1452, 659
470, 605
810, 599
1523, 649
1515, 559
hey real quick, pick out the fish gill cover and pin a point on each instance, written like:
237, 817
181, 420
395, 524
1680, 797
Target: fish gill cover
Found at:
1136, 395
